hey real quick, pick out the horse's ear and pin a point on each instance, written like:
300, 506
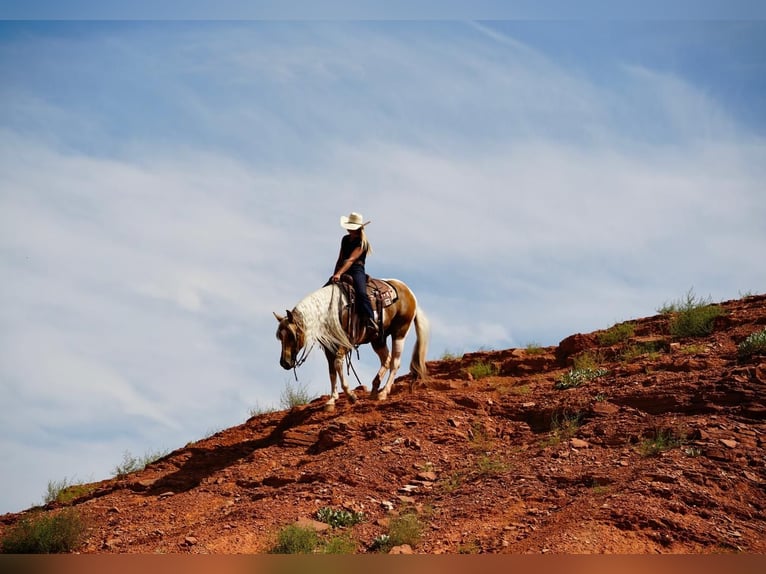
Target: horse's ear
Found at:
279, 319
290, 316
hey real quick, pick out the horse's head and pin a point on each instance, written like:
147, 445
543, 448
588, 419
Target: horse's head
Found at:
291, 336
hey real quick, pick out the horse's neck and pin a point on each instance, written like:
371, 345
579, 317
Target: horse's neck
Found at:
319, 311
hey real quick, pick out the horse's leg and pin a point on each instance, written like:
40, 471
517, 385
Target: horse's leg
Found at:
381, 349
338, 366
330, 404
397, 345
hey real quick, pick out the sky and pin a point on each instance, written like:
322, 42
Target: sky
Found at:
166, 184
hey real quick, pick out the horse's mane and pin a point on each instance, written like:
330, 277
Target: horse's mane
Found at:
319, 316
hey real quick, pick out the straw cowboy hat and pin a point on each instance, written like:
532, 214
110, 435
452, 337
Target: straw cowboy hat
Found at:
353, 221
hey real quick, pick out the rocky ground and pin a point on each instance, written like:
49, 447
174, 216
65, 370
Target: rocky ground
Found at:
662, 452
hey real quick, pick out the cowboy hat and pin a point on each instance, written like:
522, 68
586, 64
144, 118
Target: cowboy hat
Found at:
353, 221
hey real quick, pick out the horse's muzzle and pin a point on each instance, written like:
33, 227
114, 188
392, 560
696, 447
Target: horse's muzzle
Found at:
286, 365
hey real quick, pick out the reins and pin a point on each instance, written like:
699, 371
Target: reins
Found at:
304, 354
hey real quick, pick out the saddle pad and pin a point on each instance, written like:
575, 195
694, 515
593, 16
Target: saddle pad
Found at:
379, 289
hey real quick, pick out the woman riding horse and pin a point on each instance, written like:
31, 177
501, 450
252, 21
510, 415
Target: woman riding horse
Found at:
354, 249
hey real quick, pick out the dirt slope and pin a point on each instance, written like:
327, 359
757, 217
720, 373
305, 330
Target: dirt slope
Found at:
663, 453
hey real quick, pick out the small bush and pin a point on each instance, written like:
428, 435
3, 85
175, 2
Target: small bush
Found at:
63, 491
661, 441
340, 545
132, 464
534, 349
617, 333
405, 529
576, 377
294, 396
482, 369
45, 533
294, 539
754, 344
692, 316
587, 361
258, 410
565, 426
339, 518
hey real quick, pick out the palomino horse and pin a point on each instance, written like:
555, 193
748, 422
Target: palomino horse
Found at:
320, 317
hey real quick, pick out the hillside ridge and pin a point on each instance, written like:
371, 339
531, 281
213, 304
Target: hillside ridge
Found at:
656, 445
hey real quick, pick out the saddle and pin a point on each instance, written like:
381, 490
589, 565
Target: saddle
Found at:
381, 293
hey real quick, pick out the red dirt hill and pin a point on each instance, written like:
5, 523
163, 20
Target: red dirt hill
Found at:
662, 453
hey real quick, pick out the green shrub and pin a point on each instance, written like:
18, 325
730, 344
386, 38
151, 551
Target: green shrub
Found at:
617, 333
661, 441
294, 539
692, 316
294, 396
340, 545
63, 491
482, 369
405, 529
587, 361
339, 518
131, 464
45, 533
534, 348
755, 343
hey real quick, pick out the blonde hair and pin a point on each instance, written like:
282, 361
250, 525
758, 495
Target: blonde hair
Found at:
365, 243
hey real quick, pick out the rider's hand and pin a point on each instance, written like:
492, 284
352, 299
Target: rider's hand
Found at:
335, 278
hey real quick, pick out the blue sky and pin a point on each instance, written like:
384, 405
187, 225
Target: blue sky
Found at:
166, 185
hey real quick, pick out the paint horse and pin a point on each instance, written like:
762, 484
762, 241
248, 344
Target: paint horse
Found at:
323, 317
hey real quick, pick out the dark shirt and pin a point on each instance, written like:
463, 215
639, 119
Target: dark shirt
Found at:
347, 246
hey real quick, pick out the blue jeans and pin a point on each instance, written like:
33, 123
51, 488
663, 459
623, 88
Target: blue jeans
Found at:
360, 286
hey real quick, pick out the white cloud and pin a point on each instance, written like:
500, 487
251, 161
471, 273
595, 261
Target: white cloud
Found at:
520, 201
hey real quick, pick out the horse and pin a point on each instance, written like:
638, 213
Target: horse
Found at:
320, 318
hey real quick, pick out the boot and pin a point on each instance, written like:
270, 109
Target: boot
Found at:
372, 326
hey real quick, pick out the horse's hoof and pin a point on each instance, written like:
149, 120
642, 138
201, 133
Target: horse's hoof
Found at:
352, 398
329, 407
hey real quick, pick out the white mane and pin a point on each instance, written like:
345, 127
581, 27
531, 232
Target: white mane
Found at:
319, 316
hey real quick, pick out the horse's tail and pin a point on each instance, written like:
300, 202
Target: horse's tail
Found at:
422, 333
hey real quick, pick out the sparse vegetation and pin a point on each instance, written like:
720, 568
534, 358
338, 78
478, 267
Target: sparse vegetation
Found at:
338, 518
258, 410
404, 529
754, 344
660, 441
131, 464
482, 369
692, 349
563, 427
489, 465
650, 348
452, 482
617, 334
294, 539
294, 395
576, 377
45, 533
587, 361
534, 348
691, 316
480, 439
64, 491
450, 356
340, 545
